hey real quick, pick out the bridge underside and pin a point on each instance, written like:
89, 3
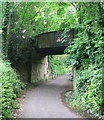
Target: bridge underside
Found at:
51, 51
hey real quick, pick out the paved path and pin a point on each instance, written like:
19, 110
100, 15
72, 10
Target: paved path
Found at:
44, 101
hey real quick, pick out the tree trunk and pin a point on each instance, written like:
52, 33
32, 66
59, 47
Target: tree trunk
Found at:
1, 29
74, 77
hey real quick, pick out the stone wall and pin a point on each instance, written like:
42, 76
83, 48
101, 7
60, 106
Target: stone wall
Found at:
24, 72
39, 67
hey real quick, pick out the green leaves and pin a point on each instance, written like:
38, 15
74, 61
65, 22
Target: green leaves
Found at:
41, 16
87, 51
59, 64
88, 43
88, 92
10, 89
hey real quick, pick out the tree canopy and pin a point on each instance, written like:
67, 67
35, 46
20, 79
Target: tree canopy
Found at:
86, 51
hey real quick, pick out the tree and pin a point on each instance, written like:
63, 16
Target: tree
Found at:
86, 53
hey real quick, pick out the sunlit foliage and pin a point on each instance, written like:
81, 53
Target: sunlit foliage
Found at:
85, 51
86, 55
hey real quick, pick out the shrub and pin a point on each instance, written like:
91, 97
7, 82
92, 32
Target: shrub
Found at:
10, 87
59, 64
88, 92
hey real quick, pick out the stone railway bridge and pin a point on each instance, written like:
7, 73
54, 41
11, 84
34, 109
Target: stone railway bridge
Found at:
45, 44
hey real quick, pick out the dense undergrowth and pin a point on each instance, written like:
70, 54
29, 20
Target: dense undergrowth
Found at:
58, 64
86, 54
86, 51
10, 88
88, 92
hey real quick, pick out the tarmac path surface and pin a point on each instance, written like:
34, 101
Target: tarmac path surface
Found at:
45, 100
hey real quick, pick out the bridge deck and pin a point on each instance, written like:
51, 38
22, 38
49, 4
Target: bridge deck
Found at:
52, 43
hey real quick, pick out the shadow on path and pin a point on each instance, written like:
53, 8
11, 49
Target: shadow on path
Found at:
44, 100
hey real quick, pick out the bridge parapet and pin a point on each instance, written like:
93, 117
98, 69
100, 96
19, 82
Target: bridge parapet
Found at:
53, 39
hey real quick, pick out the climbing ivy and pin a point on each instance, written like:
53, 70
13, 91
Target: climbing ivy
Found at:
86, 55
22, 20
